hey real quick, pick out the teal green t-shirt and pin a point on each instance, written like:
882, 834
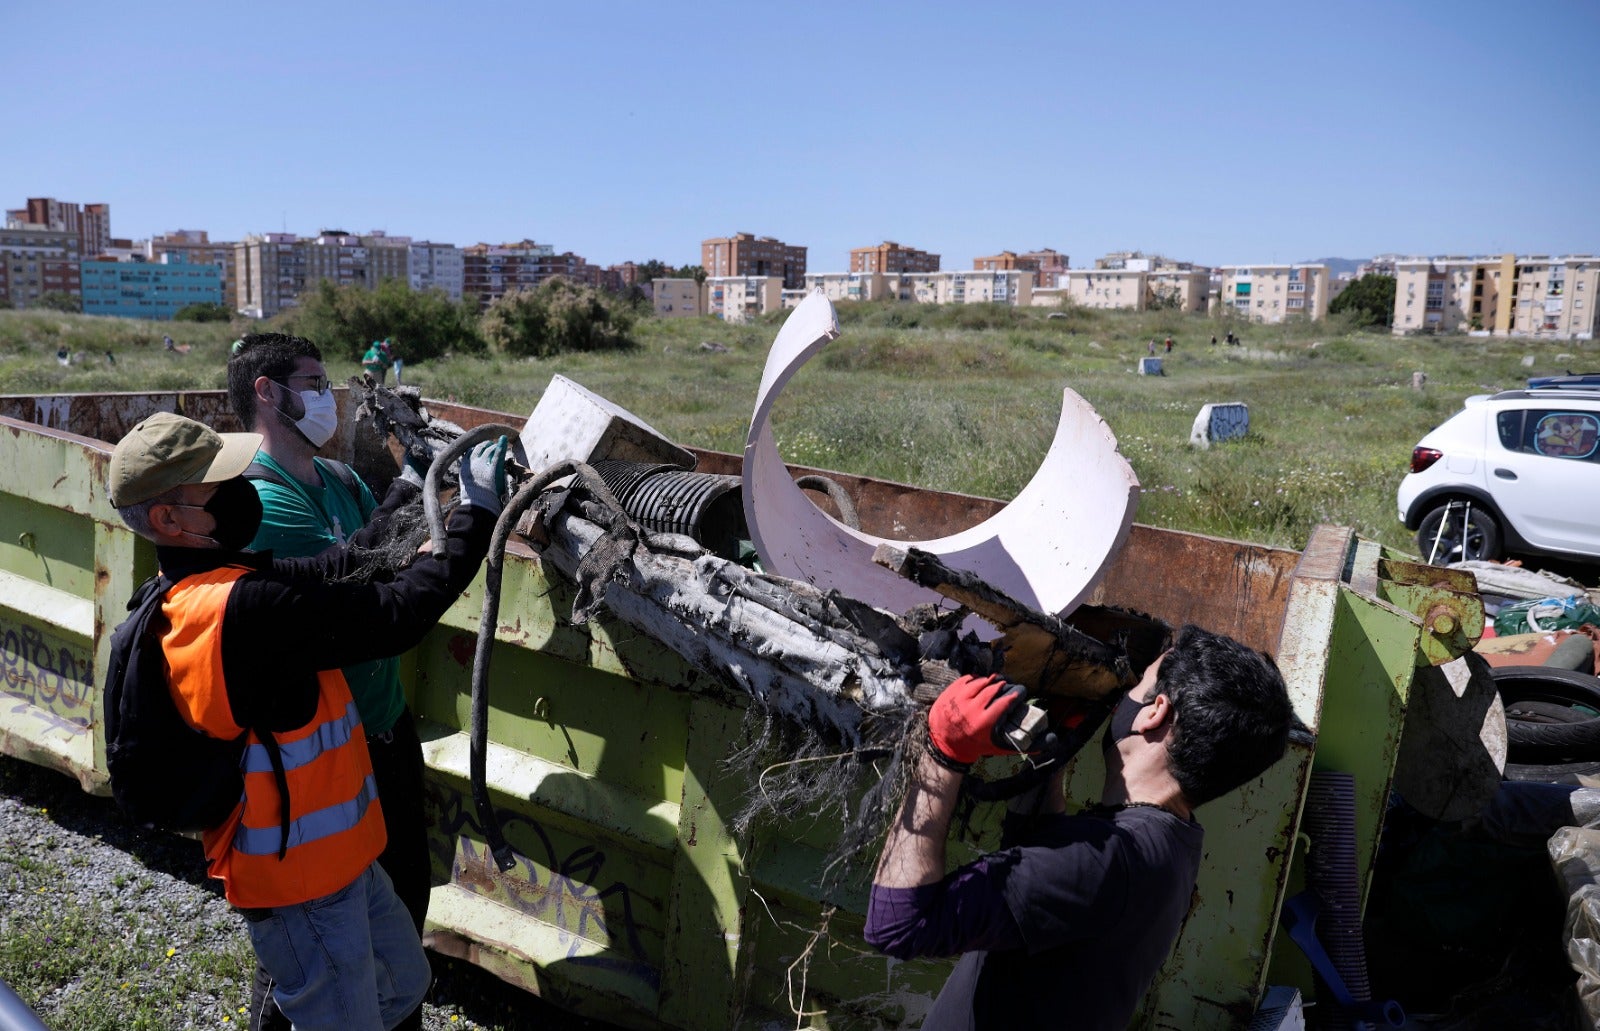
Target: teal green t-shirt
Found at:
299, 521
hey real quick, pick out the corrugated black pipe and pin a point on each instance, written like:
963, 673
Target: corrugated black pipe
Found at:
1330, 820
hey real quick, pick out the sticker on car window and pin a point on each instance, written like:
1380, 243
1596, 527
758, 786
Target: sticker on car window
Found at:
1567, 435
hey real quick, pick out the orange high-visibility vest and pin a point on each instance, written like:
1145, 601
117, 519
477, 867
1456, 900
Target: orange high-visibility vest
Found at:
335, 822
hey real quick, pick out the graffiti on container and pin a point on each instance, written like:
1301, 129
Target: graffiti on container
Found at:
563, 892
53, 412
54, 679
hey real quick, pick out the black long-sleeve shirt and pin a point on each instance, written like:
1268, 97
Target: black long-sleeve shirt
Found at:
289, 619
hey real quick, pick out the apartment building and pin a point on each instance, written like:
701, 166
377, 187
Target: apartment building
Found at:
91, 223
744, 254
348, 259
195, 247
123, 249
742, 298
851, 286
272, 270
1013, 286
1381, 265
489, 271
437, 266
1179, 289
891, 257
1099, 288
1532, 295
270, 273
35, 262
677, 298
1046, 265
622, 276
148, 289
1138, 261
1273, 293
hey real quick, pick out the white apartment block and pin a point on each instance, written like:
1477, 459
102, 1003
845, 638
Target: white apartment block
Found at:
437, 266
1179, 289
1274, 293
742, 298
677, 298
968, 286
960, 286
1532, 295
850, 286
1098, 288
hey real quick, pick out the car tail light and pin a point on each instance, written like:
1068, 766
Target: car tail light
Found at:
1423, 457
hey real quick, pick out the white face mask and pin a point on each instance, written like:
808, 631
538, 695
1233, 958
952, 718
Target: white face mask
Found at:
321, 418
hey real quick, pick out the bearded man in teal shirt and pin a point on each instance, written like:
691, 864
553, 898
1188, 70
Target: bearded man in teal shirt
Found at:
279, 388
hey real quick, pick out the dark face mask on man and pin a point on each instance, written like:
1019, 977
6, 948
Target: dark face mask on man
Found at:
1120, 725
236, 507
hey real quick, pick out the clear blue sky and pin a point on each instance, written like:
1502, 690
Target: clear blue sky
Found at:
1223, 133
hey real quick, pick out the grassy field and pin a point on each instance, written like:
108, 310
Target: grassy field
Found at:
962, 399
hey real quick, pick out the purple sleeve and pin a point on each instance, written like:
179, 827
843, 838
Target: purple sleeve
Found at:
962, 913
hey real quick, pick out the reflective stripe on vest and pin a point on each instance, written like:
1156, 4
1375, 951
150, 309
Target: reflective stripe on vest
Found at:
327, 736
264, 841
335, 819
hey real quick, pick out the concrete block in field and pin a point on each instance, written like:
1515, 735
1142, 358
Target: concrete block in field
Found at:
1150, 367
1223, 421
572, 422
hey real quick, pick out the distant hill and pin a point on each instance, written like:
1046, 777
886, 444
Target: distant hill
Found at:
1337, 266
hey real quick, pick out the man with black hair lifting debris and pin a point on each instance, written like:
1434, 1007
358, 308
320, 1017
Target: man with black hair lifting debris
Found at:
278, 387
254, 647
1067, 925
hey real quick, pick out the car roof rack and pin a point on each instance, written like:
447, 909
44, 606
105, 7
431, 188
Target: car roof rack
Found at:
1570, 381
1548, 394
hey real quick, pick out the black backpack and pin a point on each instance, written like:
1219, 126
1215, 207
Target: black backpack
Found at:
164, 773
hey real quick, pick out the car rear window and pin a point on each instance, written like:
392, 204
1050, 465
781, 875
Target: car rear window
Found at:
1553, 433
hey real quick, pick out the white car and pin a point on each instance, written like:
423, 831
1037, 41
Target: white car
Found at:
1517, 471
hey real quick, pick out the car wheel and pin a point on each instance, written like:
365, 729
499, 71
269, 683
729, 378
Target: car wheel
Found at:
1456, 533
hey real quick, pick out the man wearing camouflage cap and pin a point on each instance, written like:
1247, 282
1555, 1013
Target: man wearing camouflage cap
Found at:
253, 649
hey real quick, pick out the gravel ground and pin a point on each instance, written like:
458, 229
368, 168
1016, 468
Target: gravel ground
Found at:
46, 816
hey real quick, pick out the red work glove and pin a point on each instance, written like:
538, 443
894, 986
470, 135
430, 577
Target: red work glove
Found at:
961, 724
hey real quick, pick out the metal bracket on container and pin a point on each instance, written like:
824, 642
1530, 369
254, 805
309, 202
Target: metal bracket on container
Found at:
1445, 600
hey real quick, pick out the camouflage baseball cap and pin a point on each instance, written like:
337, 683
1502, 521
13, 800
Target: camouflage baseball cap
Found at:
166, 451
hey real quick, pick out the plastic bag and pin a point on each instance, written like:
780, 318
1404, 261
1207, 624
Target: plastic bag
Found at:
1542, 615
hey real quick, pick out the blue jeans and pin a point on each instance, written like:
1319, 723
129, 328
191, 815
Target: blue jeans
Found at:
350, 961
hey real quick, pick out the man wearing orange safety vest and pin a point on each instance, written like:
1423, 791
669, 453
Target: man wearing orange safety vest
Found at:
255, 646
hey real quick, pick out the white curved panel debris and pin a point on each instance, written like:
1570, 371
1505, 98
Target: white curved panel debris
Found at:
1048, 548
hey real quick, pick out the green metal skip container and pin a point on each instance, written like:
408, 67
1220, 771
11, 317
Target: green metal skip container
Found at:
632, 899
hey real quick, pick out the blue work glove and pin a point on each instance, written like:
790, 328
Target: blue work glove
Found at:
483, 476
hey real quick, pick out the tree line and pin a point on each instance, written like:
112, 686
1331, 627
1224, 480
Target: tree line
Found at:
555, 317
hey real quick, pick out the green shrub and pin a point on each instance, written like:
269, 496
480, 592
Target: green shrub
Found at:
207, 311
556, 318
59, 301
424, 324
1369, 299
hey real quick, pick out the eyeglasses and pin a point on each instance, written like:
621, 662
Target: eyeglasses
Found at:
319, 383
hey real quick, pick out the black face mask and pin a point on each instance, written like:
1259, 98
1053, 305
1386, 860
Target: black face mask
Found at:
237, 509
1120, 725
